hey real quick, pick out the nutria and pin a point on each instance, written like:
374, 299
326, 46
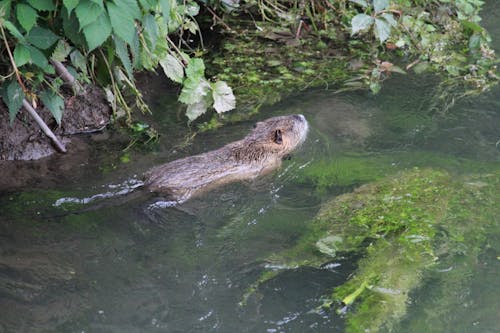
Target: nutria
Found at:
258, 153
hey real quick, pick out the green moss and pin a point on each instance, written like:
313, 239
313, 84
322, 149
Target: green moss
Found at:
405, 224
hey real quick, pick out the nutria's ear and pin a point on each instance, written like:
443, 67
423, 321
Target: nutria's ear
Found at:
277, 137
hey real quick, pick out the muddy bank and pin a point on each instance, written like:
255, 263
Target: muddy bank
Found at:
24, 140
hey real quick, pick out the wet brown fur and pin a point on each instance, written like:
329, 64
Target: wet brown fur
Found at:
258, 153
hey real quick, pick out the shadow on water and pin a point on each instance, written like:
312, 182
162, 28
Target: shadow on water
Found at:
130, 268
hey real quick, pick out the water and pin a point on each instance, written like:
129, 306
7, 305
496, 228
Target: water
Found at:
128, 267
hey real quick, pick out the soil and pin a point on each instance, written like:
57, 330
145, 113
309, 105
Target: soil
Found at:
24, 140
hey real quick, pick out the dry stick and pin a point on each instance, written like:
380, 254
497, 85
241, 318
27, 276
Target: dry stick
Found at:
60, 147
66, 75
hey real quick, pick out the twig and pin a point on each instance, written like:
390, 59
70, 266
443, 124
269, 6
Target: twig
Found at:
66, 75
60, 147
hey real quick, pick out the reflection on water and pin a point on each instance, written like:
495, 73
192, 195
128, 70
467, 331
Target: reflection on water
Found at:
137, 267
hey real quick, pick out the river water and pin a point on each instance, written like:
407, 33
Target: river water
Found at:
128, 267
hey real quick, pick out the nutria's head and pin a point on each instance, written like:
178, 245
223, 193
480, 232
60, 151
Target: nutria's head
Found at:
274, 137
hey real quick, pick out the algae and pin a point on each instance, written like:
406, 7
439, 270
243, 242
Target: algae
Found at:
407, 225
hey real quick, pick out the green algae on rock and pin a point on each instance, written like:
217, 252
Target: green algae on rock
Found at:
405, 226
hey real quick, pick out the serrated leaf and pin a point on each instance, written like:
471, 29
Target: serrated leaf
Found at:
192, 8
165, 9
362, 3
194, 90
172, 68
151, 30
21, 55
123, 24
79, 61
41, 38
13, 30
361, 22
380, 5
70, 5
54, 103
223, 96
130, 7
195, 68
61, 51
26, 16
148, 5
390, 19
88, 12
13, 96
122, 52
71, 29
382, 29
39, 59
97, 32
42, 4
195, 110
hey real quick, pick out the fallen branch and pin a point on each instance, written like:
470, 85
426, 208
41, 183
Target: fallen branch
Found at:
67, 77
59, 146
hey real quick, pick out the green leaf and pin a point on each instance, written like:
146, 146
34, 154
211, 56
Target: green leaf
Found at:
361, 22
195, 68
79, 61
122, 52
382, 29
130, 7
13, 30
5, 7
97, 32
39, 59
54, 103
42, 4
362, 3
223, 96
26, 16
13, 96
390, 19
173, 68
41, 38
192, 8
165, 8
148, 5
380, 5
151, 30
123, 24
70, 5
195, 110
71, 29
21, 55
61, 51
194, 90
88, 12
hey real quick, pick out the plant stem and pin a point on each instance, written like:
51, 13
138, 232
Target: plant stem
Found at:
66, 76
59, 146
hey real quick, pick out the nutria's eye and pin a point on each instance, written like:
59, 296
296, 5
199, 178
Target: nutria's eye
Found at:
277, 137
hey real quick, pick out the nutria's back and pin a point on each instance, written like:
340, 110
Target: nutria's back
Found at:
259, 152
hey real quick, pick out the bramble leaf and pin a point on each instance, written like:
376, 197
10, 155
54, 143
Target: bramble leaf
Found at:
61, 51
26, 16
195, 68
97, 32
223, 96
173, 68
13, 96
195, 110
87, 12
21, 55
380, 5
361, 22
122, 22
70, 5
41, 38
42, 4
382, 29
194, 90
54, 103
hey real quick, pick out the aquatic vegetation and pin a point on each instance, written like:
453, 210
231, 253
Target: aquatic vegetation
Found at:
404, 225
